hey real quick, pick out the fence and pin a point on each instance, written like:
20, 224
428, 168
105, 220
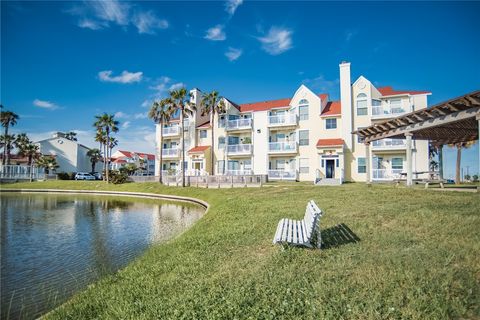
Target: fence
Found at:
16, 172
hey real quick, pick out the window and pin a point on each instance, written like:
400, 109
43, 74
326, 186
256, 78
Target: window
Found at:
362, 104
396, 106
360, 139
185, 165
221, 142
303, 137
303, 112
303, 166
203, 134
221, 121
397, 163
221, 166
362, 166
337, 163
280, 164
247, 165
331, 123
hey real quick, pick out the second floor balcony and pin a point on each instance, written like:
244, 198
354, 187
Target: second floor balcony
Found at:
244, 172
171, 153
239, 124
389, 144
283, 147
282, 120
171, 131
239, 149
388, 111
282, 174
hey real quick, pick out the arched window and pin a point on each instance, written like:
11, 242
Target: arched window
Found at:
362, 108
303, 109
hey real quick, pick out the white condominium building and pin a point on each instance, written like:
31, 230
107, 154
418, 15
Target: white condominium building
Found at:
303, 138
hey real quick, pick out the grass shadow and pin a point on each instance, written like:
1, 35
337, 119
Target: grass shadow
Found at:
338, 235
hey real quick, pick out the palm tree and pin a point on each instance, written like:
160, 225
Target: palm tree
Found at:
100, 137
47, 162
7, 142
161, 112
95, 156
181, 103
21, 141
112, 144
71, 136
107, 123
31, 151
459, 147
7, 118
212, 104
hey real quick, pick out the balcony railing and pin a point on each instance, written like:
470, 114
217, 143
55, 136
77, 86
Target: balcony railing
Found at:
239, 149
386, 174
239, 124
170, 152
282, 174
282, 147
283, 120
171, 131
386, 111
388, 144
239, 172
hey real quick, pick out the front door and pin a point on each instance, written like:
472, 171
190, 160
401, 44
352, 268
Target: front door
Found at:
330, 169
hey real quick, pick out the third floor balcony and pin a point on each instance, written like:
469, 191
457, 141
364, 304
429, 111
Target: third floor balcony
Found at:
239, 124
283, 120
239, 149
282, 147
171, 131
388, 144
388, 111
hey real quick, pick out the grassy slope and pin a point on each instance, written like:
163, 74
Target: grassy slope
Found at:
418, 258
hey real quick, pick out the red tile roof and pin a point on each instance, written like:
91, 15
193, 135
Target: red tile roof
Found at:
270, 104
332, 108
127, 154
198, 149
119, 161
389, 91
130, 154
329, 142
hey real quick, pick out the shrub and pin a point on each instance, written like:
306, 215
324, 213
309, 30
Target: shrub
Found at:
66, 175
117, 177
475, 178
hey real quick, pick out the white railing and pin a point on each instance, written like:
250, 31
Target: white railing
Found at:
239, 149
282, 147
171, 131
282, 175
379, 111
283, 120
170, 152
239, 172
386, 174
389, 143
239, 124
21, 172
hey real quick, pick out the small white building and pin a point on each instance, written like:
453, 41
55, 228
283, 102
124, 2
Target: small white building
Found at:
71, 156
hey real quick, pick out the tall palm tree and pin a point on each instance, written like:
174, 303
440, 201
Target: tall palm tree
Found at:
71, 136
112, 143
106, 122
212, 104
48, 163
101, 138
459, 147
8, 119
181, 103
161, 112
31, 151
7, 142
95, 156
21, 142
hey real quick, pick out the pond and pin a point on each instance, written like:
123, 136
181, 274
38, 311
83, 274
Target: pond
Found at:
55, 245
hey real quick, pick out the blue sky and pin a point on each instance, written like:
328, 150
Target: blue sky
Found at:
64, 62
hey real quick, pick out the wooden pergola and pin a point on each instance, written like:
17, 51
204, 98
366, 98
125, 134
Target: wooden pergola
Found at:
453, 121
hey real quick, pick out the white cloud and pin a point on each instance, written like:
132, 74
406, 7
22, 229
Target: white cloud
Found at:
349, 34
45, 104
176, 86
121, 115
147, 22
142, 115
111, 10
124, 77
324, 85
146, 103
233, 54
162, 86
216, 33
90, 24
277, 41
232, 5
126, 124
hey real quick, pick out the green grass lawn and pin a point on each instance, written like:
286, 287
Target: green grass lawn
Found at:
418, 258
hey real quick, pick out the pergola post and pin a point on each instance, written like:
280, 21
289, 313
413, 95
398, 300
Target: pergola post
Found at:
367, 163
440, 161
408, 136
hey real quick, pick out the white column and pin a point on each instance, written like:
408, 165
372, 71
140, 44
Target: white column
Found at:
409, 159
367, 163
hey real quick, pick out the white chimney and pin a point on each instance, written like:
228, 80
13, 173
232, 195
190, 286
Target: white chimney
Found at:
346, 101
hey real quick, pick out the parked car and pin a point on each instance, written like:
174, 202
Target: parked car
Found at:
97, 175
84, 176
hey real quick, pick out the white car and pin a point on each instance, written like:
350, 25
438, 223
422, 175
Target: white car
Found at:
84, 176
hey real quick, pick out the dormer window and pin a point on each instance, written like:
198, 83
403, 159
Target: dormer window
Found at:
362, 108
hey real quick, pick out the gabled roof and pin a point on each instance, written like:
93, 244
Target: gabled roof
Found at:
332, 108
130, 154
270, 104
198, 149
204, 125
329, 142
119, 161
127, 154
389, 91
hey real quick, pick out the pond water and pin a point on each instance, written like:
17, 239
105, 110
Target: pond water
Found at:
55, 245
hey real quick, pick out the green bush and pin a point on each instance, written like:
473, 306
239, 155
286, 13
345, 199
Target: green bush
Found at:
66, 175
117, 177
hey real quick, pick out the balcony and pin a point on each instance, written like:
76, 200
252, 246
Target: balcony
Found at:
283, 120
387, 111
386, 174
171, 153
388, 144
239, 172
239, 149
239, 124
282, 147
171, 131
281, 174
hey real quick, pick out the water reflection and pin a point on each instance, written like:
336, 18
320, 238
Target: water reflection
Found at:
54, 245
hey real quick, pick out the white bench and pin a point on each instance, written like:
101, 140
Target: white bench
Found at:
301, 233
